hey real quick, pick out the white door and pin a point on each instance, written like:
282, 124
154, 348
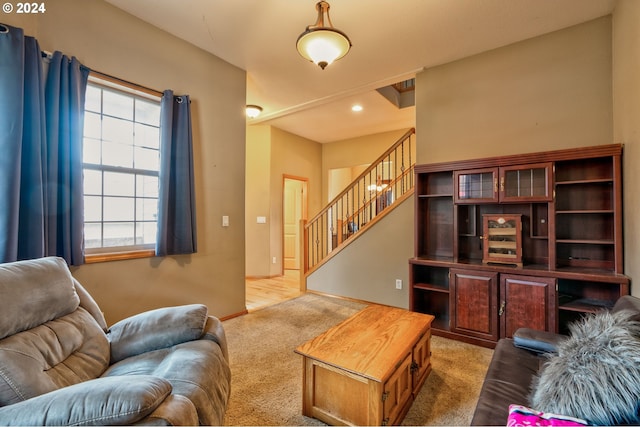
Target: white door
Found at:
293, 205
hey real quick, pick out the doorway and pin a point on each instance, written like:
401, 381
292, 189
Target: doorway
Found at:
294, 209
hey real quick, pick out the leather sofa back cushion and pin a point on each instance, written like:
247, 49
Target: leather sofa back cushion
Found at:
62, 352
34, 292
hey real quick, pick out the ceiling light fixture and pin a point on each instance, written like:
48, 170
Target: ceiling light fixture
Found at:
253, 111
323, 45
357, 108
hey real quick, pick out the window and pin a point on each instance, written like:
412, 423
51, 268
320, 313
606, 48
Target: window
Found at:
121, 160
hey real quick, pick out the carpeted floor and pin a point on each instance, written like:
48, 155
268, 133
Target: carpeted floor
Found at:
266, 386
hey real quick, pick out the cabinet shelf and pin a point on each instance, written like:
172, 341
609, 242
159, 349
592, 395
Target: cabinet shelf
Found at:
430, 287
586, 242
585, 305
430, 196
431, 260
441, 323
585, 211
586, 181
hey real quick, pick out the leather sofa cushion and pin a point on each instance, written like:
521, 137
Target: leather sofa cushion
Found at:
103, 401
33, 292
508, 381
59, 353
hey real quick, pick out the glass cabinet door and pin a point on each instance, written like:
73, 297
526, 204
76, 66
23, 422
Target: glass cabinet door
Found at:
526, 182
476, 186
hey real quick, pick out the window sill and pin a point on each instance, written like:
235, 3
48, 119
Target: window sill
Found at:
118, 256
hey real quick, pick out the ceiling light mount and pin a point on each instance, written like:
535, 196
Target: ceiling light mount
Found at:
322, 44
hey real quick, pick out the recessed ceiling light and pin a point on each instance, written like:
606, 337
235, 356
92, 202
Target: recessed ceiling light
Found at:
356, 108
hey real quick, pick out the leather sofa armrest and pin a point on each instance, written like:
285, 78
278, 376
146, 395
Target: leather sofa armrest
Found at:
156, 329
102, 401
537, 341
628, 302
214, 331
175, 410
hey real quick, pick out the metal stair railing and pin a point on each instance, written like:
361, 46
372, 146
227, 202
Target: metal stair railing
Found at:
367, 198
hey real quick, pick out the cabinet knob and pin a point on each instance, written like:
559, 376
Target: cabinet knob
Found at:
502, 305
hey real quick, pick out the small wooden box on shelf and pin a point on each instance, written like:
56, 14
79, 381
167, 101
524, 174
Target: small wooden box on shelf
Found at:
502, 236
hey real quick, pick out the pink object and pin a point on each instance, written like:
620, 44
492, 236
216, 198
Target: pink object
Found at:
521, 416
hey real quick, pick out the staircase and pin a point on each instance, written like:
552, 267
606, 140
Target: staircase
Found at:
374, 193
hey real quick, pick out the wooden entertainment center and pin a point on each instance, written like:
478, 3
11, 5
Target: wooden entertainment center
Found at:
532, 240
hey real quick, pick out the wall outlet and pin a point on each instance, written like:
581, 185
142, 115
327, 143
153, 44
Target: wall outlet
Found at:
398, 283
273, 260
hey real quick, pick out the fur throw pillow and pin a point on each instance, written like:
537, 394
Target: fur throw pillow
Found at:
596, 372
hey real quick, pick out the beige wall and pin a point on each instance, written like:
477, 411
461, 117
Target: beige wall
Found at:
341, 178
369, 266
258, 201
295, 156
111, 41
626, 123
545, 93
275, 153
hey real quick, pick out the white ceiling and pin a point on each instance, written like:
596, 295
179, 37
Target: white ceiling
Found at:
392, 41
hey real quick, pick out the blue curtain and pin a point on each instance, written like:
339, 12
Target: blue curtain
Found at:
36, 217
22, 145
176, 200
64, 97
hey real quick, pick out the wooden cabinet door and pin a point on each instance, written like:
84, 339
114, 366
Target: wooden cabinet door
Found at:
528, 302
397, 392
421, 360
474, 303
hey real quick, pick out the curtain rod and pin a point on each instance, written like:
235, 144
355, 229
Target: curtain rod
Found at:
129, 84
114, 79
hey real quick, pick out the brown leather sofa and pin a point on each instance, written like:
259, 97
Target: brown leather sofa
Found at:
514, 365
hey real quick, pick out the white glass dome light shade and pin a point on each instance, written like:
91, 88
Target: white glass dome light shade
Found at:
323, 46
253, 111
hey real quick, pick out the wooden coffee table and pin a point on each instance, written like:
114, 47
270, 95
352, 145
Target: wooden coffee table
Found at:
368, 369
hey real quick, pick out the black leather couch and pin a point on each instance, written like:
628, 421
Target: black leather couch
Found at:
514, 365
